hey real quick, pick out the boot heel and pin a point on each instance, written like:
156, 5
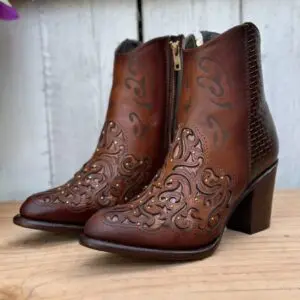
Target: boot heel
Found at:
253, 214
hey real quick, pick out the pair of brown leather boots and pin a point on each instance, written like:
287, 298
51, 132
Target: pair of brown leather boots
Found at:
188, 147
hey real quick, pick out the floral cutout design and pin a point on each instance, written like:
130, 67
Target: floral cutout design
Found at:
110, 176
186, 195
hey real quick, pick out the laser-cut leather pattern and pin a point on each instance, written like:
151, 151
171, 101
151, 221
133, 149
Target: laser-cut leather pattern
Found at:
91, 187
182, 194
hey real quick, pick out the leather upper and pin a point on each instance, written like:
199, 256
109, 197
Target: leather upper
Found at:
225, 138
132, 145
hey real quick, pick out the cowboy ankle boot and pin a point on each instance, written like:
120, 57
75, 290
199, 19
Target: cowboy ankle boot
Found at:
132, 145
220, 169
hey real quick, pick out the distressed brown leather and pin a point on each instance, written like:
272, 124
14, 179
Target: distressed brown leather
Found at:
225, 139
133, 142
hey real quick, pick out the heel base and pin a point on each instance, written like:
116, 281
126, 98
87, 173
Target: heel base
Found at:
253, 214
247, 228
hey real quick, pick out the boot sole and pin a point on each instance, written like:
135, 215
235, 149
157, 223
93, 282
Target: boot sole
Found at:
204, 251
150, 253
46, 226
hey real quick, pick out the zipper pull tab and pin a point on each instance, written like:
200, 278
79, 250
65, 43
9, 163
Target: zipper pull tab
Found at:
176, 55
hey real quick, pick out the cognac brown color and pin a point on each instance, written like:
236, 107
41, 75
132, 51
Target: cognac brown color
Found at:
132, 145
220, 169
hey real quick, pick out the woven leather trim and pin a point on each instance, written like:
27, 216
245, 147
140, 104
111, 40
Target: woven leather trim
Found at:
261, 130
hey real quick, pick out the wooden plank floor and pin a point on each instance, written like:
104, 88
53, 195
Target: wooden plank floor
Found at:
37, 265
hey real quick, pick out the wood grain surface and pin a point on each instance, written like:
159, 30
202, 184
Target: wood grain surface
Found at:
37, 265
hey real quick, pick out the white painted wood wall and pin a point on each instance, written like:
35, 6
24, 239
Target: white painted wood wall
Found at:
56, 67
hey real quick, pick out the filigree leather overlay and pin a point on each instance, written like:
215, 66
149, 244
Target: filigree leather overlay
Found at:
186, 195
111, 174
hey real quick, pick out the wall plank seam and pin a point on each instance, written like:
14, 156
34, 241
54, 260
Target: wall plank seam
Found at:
140, 20
46, 70
97, 56
241, 7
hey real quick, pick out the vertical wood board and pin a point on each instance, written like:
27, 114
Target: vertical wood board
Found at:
24, 155
56, 66
71, 83
164, 17
78, 47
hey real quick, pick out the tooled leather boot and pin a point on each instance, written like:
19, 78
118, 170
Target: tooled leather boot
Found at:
220, 169
132, 145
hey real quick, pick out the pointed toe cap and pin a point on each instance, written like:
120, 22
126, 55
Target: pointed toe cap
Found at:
34, 208
97, 228
100, 228
38, 207
107, 226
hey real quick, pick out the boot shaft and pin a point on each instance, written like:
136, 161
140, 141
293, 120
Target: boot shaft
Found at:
143, 95
223, 96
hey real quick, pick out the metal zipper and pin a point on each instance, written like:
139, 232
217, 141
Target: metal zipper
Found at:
175, 47
175, 67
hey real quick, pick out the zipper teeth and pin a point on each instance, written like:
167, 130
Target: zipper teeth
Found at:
170, 93
172, 89
166, 127
172, 101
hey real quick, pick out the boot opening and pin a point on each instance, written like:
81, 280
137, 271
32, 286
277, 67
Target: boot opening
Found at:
127, 46
205, 36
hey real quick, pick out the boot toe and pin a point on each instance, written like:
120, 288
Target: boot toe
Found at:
34, 208
107, 225
39, 207
98, 227
114, 226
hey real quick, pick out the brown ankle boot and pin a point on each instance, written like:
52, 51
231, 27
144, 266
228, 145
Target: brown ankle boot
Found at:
220, 169
132, 145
